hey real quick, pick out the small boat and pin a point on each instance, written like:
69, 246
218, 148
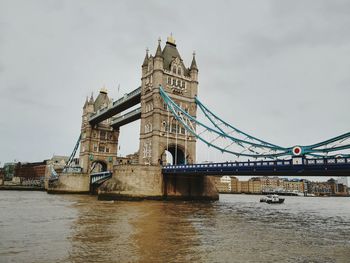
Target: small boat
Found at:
272, 199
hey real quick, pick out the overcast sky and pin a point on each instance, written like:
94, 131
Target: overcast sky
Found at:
276, 69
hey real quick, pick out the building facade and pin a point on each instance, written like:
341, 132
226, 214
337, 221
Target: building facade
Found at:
99, 143
162, 137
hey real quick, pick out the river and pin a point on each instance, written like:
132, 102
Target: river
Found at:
37, 227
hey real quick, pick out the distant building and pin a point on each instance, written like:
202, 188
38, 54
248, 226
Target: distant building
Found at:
271, 184
254, 185
320, 188
223, 184
30, 171
2, 176
344, 181
9, 171
294, 185
235, 185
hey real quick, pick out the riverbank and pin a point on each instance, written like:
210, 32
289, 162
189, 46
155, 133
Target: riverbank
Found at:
21, 188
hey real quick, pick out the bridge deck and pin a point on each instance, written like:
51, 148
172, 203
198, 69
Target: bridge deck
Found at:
126, 118
129, 100
308, 167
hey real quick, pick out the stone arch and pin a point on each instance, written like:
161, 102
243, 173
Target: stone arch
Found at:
177, 155
98, 166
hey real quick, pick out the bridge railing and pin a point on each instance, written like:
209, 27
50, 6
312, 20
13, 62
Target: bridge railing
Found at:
95, 177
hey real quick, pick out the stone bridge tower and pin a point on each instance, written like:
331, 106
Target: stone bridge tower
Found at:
99, 143
160, 133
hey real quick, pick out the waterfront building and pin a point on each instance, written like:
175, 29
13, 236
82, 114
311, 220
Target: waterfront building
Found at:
9, 171
223, 184
343, 180
294, 185
320, 188
271, 184
254, 185
30, 171
1, 176
235, 185
244, 187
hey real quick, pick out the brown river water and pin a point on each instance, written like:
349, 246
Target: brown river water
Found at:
37, 227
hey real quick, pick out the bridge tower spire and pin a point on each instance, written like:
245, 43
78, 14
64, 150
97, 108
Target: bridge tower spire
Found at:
159, 132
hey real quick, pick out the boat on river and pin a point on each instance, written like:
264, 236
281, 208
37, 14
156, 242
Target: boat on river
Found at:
272, 199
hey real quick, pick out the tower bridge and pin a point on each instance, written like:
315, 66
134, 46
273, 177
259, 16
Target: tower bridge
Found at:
168, 103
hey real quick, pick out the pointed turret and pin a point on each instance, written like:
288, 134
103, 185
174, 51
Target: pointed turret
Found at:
145, 61
159, 49
91, 101
194, 63
86, 102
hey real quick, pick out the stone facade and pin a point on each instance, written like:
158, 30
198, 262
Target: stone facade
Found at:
159, 131
70, 183
99, 143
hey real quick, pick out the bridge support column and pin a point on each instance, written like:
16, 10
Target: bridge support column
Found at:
179, 187
137, 182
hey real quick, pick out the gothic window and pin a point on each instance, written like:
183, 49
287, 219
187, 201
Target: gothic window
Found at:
147, 149
179, 71
174, 70
169, 80
174, 82
107, 150
183, 84
178, 83
95, 148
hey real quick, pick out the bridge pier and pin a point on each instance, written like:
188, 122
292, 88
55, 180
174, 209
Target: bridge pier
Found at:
138, 182
179, 187
70, 183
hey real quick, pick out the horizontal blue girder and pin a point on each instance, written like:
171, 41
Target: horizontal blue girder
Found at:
308, 167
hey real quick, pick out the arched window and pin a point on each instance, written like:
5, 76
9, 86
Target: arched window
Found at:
169, 80
174, 82
174, 69
178, 83
179, 71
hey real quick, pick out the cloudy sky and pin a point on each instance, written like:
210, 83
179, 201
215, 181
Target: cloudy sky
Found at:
276, 69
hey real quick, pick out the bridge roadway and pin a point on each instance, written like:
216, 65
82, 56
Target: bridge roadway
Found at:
129, 100
294, 167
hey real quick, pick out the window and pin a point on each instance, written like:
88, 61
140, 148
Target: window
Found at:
179, 71
174, 70
147, 149
103, 135
101, 148
169, 80
95, 148
174, 82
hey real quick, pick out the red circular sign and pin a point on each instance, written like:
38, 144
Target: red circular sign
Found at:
296, 150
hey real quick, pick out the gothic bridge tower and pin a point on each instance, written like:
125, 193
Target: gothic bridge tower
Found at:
160, 133
99, 143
